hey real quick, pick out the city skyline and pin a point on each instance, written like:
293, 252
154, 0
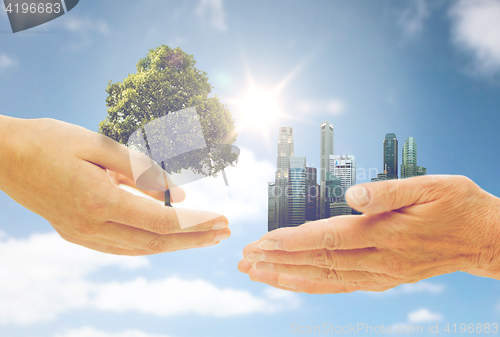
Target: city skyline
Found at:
293, 197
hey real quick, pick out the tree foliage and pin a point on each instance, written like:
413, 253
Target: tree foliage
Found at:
167, 81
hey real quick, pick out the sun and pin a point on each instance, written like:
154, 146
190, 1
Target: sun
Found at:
258, 108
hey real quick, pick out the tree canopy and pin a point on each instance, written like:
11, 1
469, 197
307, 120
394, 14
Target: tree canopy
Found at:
168, 81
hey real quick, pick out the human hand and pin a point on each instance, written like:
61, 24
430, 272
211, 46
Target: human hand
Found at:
60, 171
411, 229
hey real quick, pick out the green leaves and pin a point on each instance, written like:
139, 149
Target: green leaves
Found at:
167, 81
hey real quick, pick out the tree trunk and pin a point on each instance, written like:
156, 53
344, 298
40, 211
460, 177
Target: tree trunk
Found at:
167, 192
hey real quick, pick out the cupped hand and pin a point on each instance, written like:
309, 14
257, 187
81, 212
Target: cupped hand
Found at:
60, 171
411, 229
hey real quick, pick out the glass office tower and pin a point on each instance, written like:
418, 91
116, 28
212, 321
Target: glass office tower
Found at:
409, 166
312, 191
391, 156
296, 212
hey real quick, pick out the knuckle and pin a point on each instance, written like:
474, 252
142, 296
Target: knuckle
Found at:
330, 274
323, 258
331, 240
160, 224
391, 194
158, 245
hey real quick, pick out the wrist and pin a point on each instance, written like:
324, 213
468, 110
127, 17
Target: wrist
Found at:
486, 261
10, 147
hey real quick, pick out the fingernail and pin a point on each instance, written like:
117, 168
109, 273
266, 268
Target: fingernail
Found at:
220, 225
269, 245
359, 195
263, 266
222, 236
284, 284
256, 257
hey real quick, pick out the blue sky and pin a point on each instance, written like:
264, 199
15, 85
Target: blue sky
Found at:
417, 68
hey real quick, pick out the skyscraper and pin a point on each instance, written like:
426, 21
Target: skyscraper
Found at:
312, 192
271, 207
343, 167
296, 196
326, 150
409, 166
391, 156
285, 151
333, 193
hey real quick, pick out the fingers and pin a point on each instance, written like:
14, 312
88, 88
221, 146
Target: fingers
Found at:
148, 215
367, 259
131, 238
343, 232
177, 194
303, 285
326, 275
107, 153
384, 196
298, 284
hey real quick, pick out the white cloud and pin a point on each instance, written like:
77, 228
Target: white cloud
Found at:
84, 25
45, 276
6, 61
424, 315
333, 107
413, 17
414, 288
173, 296
476, 30
90, 332
422, 287
84, 30
213, 12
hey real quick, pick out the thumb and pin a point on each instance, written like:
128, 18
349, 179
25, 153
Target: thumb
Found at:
385, 196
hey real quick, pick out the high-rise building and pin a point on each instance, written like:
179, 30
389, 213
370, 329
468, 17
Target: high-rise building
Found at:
344, 167
409, 167
312, 192
296, 196
391, 156
285, 151
333, 193
271, 206
326, 150
341, 208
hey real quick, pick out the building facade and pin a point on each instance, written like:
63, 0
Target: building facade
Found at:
296, 193
409, 167
327, 133
285, 151
391, 156
271, 206
344, 167
312, 191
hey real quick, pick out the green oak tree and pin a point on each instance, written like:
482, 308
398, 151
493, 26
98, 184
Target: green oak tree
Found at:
168, 81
